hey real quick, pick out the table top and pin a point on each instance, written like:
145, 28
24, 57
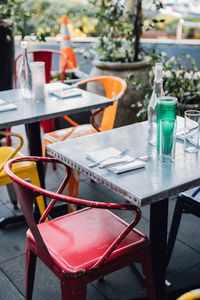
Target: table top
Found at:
157, 181
29, 110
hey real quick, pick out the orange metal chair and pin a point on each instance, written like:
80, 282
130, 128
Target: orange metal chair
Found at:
23, 169
82, 246
114, 89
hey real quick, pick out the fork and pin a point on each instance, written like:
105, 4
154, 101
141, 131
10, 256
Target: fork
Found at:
121, 154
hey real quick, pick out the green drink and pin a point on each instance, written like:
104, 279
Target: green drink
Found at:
167, 108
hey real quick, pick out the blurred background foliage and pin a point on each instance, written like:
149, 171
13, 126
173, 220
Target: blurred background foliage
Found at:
42, 18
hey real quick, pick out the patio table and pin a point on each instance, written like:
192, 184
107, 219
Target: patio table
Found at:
30, 112
152, 185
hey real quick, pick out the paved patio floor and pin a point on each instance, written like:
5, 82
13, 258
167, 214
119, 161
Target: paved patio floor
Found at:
183, 273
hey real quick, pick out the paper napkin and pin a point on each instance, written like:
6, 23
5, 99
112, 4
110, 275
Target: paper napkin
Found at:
55, 86
125, 162
129, 166
7, 106
103, 154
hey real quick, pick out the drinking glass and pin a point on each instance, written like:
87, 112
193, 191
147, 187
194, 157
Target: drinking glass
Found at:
191, 131
38, 79
167, 139
166, 108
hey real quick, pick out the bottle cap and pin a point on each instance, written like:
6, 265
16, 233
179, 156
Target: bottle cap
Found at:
23, 44
158, 71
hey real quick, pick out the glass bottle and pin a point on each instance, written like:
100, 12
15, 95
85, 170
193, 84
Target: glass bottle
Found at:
25, 78
152, 107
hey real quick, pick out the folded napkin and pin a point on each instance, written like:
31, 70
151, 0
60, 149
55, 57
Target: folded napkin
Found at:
55, 86
7, 106
125, 167
103, 154
67, 93
180, 132
115, 164
191, 138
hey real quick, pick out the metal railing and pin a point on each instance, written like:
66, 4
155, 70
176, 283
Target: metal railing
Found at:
182, 23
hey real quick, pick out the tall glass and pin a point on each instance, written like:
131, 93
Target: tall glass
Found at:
38, 79
167, 139
167, 108
192, 131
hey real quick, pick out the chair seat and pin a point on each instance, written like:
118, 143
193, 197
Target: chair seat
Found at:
189, 193
18, 168
83, 236
69, 133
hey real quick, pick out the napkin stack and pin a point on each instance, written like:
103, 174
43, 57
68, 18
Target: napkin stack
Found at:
115, 165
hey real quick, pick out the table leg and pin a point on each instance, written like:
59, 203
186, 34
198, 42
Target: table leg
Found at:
35, 146
158, 241
35, 149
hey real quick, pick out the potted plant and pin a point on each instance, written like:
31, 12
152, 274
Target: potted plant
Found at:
181, 79
118, 51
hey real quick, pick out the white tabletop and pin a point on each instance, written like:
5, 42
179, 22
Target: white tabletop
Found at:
29, 110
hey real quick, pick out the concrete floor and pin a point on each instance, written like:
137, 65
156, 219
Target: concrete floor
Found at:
183, 272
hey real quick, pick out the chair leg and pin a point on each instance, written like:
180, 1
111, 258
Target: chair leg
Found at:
45, 143
73, 188
30, 273
148, 274
8, 138
48, 126
174, 228
73, 289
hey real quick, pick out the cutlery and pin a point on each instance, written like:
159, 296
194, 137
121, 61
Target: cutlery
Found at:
143, 158
120, 155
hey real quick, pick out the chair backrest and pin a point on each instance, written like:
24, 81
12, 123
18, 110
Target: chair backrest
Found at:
46, 57
114, 89
27, 192
8, 151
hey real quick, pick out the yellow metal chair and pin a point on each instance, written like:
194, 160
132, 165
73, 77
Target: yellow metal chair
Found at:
192, 295
25, 170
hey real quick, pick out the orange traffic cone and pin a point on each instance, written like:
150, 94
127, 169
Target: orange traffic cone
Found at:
66, 46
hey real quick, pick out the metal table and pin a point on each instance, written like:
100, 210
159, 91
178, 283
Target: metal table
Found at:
31, 112
151, 185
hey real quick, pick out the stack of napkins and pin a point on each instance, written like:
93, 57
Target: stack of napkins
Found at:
115, 164
191, 136
55, 86
62, 91
4, 106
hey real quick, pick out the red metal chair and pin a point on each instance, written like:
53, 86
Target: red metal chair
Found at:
45, 56
81, 246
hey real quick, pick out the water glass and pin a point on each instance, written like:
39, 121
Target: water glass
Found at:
167, 139
38, 79
167, 108
191, 131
